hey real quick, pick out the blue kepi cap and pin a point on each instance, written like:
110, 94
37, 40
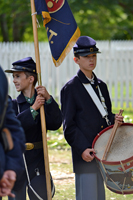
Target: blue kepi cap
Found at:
24, 65
84, 46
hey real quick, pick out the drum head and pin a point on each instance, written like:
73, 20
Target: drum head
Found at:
117, 168
122, 145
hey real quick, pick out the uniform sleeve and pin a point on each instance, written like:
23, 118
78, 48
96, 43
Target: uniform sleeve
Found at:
14, 159
33, 112
72, 132
53, 115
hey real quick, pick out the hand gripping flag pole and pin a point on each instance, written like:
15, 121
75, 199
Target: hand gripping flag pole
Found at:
42, 113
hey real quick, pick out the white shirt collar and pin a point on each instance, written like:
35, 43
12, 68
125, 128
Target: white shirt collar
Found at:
91, 79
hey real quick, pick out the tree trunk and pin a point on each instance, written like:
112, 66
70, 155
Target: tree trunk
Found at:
4, 27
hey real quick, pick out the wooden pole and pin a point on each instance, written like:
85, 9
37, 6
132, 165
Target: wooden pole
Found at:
42, 113
110, 140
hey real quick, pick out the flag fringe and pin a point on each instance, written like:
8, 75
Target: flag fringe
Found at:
68, 48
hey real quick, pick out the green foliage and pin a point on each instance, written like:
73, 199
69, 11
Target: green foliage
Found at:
105, 19
102, 20
127, 113
56, 140
42, 34
14, 19
127, 119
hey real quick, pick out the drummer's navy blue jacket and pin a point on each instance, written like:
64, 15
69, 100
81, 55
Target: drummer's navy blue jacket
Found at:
32, 128
82, 120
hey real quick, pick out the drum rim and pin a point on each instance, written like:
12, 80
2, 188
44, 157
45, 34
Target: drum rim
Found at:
118, 191
111, 162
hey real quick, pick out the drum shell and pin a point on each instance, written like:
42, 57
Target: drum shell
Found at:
118, 175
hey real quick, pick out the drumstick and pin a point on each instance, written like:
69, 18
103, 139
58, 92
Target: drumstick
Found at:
112, 135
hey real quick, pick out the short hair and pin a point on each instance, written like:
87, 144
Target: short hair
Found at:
31, 74
76, 55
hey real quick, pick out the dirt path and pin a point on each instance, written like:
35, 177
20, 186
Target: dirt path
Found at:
62, 178
61, 169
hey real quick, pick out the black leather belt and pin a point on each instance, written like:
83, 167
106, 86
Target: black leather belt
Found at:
35, 145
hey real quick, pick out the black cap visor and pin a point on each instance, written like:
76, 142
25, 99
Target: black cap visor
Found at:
20, 69
12, 70
86, 51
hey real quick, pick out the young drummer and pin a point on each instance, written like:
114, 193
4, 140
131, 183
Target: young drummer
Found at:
82, 120
27, 109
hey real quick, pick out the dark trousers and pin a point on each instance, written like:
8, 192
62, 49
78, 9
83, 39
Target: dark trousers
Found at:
89, 186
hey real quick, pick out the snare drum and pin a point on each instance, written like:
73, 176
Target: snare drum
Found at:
117, 170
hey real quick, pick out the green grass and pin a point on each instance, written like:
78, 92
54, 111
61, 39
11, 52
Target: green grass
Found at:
113, 196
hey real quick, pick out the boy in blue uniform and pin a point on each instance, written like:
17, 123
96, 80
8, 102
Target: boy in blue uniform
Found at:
82, 120
27, 109
12, 142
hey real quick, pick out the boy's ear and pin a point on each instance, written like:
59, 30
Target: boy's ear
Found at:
76, 60
31, 79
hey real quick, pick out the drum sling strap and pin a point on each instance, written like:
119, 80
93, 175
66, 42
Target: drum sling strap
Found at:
99, 104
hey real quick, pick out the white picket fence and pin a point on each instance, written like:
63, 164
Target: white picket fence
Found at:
114, 66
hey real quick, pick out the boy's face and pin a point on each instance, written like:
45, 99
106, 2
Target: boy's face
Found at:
20, 81
86, 63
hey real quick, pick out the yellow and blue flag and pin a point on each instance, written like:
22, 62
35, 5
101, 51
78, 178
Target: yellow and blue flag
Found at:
61, 27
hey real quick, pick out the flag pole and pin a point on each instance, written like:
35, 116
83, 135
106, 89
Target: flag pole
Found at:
42, 112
